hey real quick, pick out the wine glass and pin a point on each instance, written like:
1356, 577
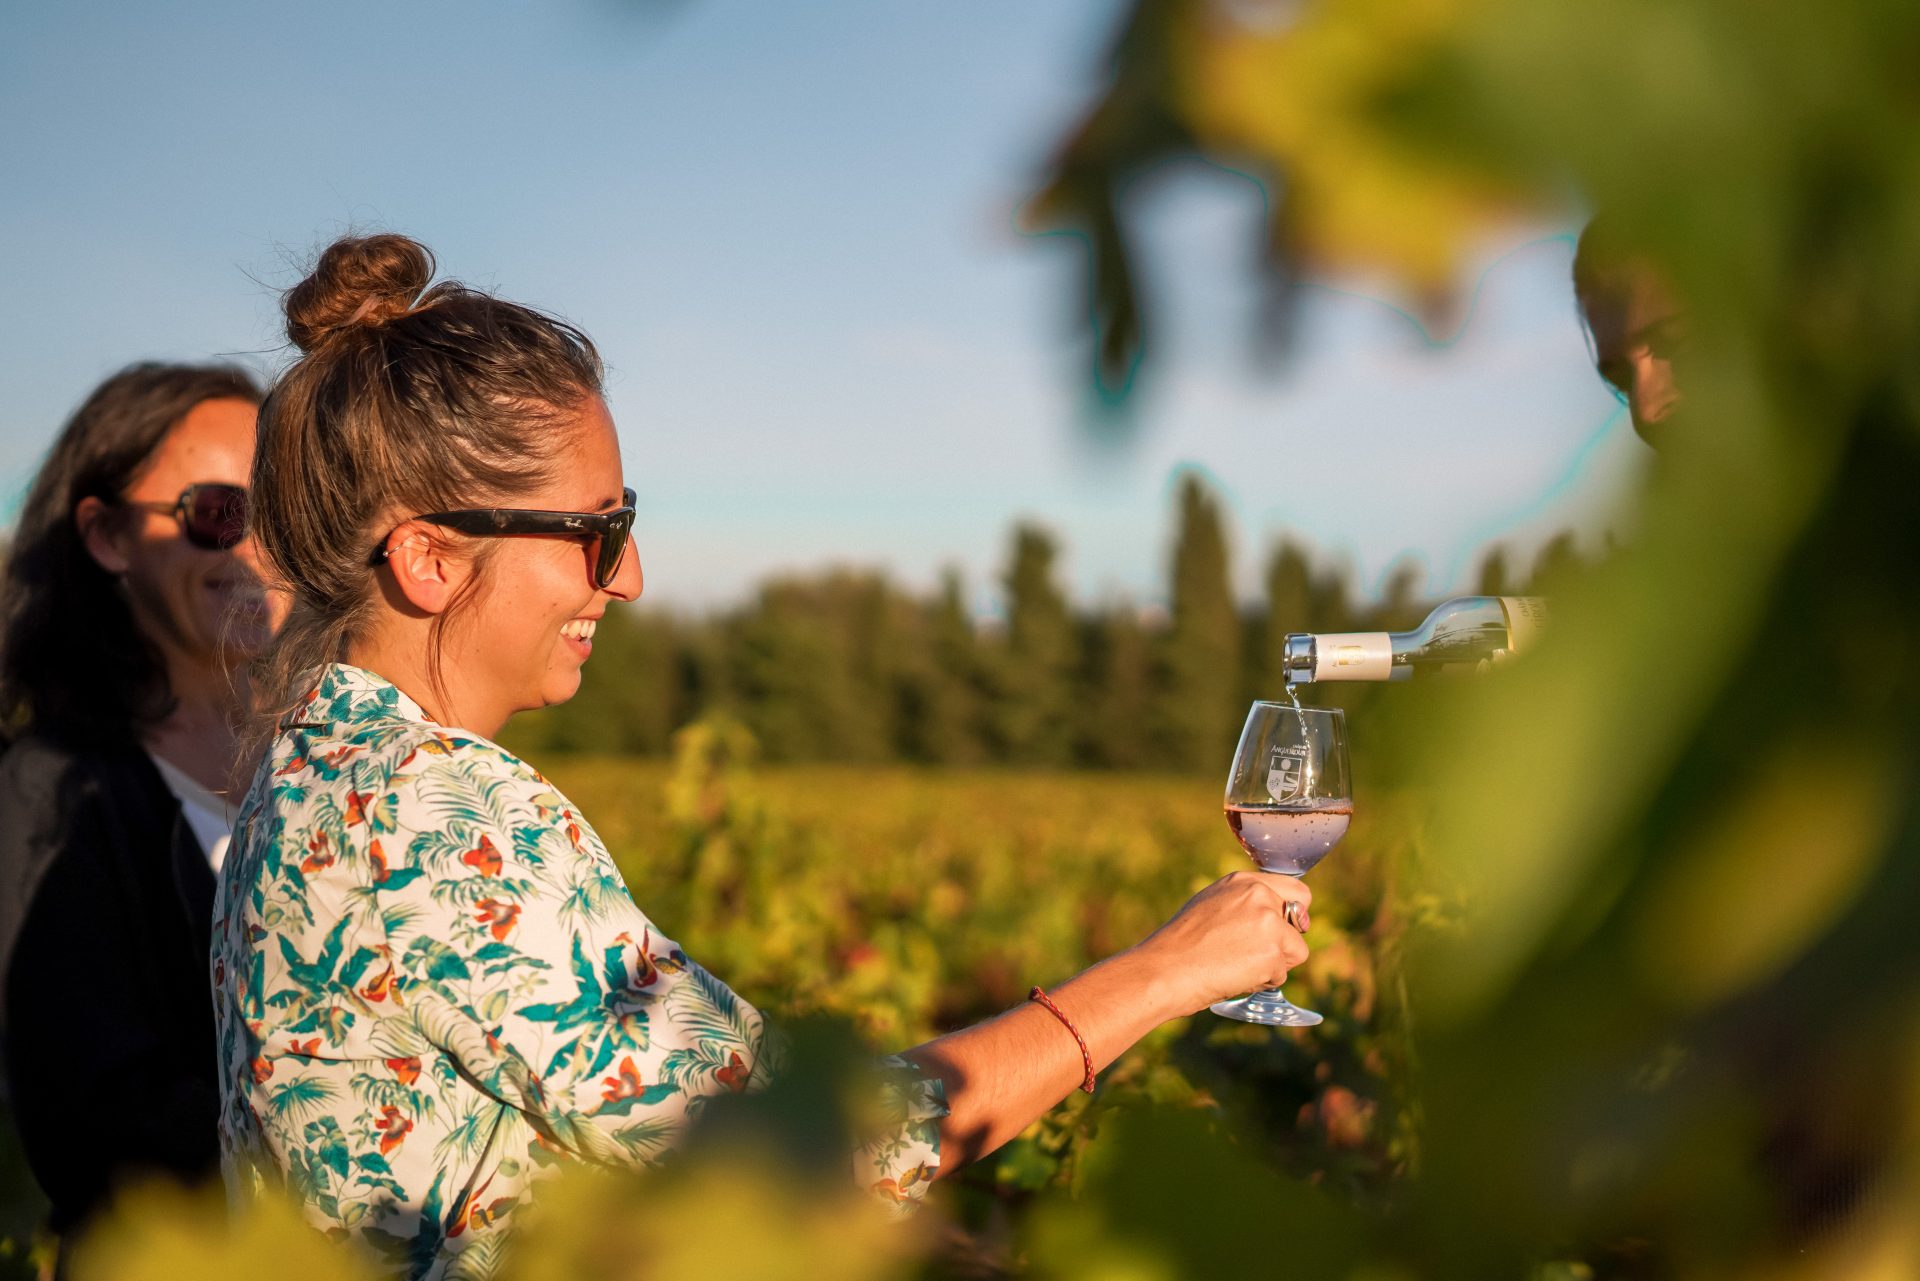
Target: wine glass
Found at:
1289, 799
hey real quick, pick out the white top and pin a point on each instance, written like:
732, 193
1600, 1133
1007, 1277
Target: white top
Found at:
209, 815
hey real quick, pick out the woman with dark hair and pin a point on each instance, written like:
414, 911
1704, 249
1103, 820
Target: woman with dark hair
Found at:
431, 983
131, 600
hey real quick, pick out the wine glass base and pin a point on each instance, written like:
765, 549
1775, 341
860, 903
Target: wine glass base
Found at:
1267, 1008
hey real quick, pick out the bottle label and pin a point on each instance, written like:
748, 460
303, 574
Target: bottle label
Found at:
1353, 656
1526, 615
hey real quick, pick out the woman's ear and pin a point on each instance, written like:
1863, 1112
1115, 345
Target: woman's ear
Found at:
425, 569
103, 536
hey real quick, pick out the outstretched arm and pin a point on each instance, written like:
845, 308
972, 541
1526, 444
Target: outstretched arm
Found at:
1001, 1075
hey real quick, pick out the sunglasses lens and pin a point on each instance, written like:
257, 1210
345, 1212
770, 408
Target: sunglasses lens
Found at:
216, 516
613, 544
613, 548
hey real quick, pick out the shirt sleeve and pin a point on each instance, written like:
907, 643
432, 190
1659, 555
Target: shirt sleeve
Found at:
898, 1157
519, 954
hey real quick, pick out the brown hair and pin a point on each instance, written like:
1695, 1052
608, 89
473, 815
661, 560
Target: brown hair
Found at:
1606, 269
406, 399
73, 664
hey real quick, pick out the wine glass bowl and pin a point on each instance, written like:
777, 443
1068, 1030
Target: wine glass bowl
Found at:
1289, 800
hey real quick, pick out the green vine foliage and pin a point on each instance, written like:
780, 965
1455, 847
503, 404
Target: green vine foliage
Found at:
870, 908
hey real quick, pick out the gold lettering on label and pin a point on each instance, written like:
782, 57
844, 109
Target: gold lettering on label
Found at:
1349, 655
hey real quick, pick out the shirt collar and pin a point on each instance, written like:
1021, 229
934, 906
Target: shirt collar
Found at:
348, 695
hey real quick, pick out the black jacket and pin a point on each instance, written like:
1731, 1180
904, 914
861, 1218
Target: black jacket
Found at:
106, 1010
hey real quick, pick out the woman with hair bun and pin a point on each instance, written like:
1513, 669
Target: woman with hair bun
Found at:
431, 982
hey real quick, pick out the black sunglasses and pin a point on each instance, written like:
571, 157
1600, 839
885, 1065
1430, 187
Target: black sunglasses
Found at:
611, 528
212, 516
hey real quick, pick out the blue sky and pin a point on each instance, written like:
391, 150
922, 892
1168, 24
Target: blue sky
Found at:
791, 228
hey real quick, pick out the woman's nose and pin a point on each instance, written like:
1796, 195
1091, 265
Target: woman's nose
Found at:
628, 580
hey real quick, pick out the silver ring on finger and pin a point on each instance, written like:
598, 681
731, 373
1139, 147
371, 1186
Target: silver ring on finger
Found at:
1292, 913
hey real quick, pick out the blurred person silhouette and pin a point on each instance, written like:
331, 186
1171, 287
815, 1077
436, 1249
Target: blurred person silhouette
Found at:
1821, 1148
132, 600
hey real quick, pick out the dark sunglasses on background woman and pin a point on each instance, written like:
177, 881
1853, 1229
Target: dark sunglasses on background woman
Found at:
612, 529
212, 516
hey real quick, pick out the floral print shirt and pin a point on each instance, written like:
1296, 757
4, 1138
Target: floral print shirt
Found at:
432, 985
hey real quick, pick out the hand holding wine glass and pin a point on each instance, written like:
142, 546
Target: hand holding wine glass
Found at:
1289, 800
1238, 933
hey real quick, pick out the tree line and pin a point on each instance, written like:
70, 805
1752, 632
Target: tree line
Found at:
847, 666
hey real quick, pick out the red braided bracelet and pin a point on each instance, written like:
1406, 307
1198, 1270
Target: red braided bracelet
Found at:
1085, 1057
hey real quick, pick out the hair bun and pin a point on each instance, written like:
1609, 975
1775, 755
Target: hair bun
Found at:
359, 280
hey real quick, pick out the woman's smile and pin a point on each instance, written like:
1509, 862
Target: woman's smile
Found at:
578, 634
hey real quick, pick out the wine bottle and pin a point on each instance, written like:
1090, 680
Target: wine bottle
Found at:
1466, 634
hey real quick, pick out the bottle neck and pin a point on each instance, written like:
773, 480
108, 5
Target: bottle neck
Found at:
1341, 656
1296, 661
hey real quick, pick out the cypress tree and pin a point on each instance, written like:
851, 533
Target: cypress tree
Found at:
1495, 578
1033, 673
1556, 561
1115, 710
940, 693
1399, 606
1288, 608
1199, 712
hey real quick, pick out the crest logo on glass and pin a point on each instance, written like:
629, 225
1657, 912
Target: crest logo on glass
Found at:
1286, 773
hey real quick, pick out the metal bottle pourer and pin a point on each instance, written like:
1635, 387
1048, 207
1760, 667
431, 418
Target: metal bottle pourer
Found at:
1296, 659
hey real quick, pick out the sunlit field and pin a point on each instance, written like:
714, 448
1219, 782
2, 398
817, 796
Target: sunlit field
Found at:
900, 902
914, 901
